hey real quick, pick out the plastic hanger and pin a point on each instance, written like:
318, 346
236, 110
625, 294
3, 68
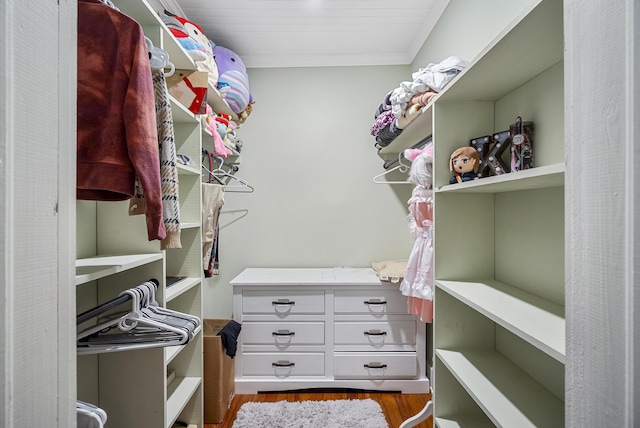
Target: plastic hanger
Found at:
110, 4
144, 326
159, 59
85, 408
400, 167
219, 172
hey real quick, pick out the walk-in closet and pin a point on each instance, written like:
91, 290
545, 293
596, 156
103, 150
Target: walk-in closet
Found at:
453, 219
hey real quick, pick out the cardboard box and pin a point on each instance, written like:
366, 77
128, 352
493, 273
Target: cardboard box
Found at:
219, 386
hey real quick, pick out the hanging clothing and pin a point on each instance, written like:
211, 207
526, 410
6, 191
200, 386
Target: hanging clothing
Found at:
212, 202
168, 167
117, 138
418, 281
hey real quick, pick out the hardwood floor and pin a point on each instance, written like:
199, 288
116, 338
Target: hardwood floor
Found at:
395, 406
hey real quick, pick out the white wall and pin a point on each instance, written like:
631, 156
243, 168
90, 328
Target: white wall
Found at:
466, 28
310, 157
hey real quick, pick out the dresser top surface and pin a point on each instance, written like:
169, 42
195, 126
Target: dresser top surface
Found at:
306, 276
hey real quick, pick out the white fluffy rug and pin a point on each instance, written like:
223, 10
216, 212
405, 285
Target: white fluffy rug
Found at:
311, 414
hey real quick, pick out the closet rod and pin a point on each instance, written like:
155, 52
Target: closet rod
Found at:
92, 313
418, 145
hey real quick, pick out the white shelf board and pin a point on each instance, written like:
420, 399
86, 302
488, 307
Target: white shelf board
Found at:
186, 170
507, 395
420, 128
172, 351
147, 13
463, 422
179, 393
93, 268
209, 139
535, 178
180, 287
189, 225
218, 103
532, 318
180, 113
531, 44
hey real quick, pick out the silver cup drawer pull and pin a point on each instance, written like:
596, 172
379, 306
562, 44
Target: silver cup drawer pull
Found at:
283, 302
283, 333
283, 363
375, 302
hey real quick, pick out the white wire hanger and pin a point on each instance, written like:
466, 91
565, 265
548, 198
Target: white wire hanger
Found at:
223, 177
400, 167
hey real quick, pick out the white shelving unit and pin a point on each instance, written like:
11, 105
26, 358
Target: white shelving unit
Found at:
113, 254
499, 328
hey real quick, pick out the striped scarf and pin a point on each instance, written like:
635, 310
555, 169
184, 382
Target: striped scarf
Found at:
168, 168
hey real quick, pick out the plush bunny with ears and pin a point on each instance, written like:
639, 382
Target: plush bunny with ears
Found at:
421, 172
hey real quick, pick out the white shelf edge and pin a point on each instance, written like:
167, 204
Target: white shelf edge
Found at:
186, 170
147, 13
173, 351
218, 103
182, 391
507, 395
463, 422
180, 113
420, 128
477, 83
535, 178
534, 319
234, 152
189, 225
93, 268
180, 287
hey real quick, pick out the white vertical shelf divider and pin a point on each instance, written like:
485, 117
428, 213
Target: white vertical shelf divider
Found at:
114, 254
499, 326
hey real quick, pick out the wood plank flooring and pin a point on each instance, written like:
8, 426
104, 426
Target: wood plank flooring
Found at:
395, 406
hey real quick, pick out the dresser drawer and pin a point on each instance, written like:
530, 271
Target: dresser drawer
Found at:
282, 302
375, 365
282, 334
376, 334
370, 302
282, 364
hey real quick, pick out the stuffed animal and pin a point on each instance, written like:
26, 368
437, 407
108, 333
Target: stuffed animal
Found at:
212, 125
242, 116
421, 172
193, 40
464, 163
233, 81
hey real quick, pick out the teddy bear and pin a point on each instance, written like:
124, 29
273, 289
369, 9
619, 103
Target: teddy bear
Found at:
193, 40
243, 115
233, 81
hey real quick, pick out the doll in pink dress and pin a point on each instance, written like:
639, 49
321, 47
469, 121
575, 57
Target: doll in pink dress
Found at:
418, 280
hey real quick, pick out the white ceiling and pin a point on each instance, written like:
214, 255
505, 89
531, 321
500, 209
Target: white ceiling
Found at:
308, 33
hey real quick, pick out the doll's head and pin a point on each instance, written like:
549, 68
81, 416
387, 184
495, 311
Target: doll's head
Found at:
421, 172
464, 159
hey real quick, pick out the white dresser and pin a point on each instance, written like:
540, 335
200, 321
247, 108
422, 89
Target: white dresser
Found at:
325, 328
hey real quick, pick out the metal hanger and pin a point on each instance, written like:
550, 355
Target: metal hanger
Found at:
400, 167
219, 173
